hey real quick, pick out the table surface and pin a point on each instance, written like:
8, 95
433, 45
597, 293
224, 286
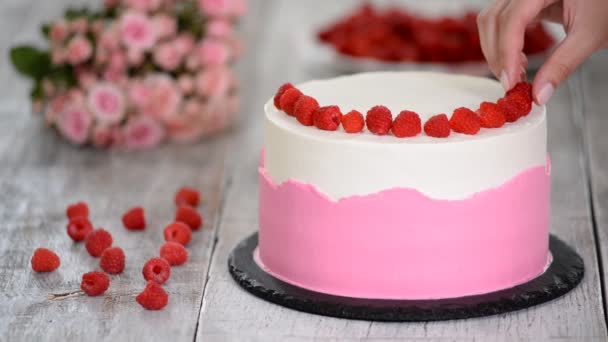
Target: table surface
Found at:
40, 174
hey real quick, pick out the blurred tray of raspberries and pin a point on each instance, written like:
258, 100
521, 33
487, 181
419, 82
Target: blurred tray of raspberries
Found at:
379, 38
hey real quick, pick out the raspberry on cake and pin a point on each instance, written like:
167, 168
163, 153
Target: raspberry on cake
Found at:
327, 118
353, 122
329, 200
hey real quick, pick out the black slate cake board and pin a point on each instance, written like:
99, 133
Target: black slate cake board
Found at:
564, 274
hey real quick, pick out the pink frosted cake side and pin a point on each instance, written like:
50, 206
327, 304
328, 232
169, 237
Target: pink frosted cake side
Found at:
378, 217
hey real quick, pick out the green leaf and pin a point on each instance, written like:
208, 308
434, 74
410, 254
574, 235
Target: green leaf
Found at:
45, 29
30, 61
37, 93
74, 13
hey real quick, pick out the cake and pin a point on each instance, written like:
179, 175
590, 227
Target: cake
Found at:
377, 216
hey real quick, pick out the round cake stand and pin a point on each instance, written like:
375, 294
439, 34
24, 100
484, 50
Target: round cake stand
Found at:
564, 273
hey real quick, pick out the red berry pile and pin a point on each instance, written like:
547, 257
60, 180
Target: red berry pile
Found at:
397, 35
516, 103
99, 243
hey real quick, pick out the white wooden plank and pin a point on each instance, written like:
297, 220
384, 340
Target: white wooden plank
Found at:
231, 314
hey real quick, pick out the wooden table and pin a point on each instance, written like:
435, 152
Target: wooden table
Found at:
40, 174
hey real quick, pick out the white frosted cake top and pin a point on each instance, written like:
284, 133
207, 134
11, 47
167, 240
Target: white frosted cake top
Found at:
341, 164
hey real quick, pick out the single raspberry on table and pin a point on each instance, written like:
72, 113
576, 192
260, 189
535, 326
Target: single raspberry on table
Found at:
437, 126
465, 121
353, 122
77, 209
153, 297
189, 216
112, 260
379, 120
45, 260
187, 196
134, 219
491, 115
178, 232
289, 99
327, 118
406, 124
304, 109
522, 102
157, 270
174, 253
98, 241
277, 96
511, 110
95, 283
79, 227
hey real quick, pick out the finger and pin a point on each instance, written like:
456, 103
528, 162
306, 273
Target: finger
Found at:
566, 57
512, 22
486, 24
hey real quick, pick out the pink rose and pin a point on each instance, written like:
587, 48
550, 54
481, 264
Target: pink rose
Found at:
102, 136
114, 76
85, 78
79, 50
137, 31
187, 132
143, 132
165, 98
48, 88
74, 123
165, 26
109, 39
193, 108
167, 57
239, 8
192, 62
79, 25
59, 31
215, 8
213, 52
138, 93
186, 84
135, 57
118, 61
107, 103
143, 5
213, 82
219, 28
184, 43
97, 27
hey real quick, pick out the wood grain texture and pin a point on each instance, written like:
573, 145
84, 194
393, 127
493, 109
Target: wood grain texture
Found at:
40, 174
594, 107
231, 314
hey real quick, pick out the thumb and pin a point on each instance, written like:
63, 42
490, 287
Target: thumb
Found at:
566, 57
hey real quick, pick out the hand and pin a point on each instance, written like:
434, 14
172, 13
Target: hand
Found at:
502, 27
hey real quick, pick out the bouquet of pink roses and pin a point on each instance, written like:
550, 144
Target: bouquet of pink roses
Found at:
137, 72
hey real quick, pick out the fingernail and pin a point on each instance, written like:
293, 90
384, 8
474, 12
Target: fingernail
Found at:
504, 80
522, 76
544, 94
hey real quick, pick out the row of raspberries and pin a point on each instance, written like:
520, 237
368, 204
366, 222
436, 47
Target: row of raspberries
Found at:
516, 103
98, 243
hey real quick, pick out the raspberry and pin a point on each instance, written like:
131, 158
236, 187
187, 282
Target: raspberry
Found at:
277, 96
289, 99
45, 260
437, 126
95, 283
406, 124
327, 118
304, 109
511, 110
189, 216
98, 241
79, 227
112, 260
465, 121
178, 232
379, 120
134, 219
522, 88
353, 122
174, 253
156, 270
77, 209
187, 196
153, 297
522, 102
491, 115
